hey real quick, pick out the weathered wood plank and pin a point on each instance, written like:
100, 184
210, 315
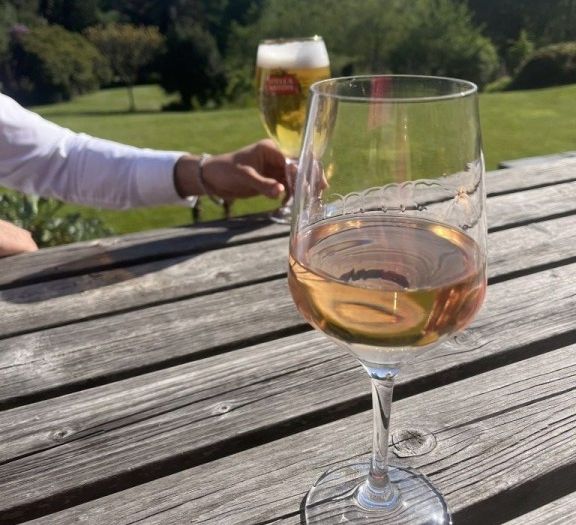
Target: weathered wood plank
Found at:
92, 441
129, 249
559, 512
36, 306
292, 520
87, 256
525, 177
132, 341
530, 205
495, 437
29, 364
539, 159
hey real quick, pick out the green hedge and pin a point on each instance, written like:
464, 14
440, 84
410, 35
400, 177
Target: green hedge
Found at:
552, 65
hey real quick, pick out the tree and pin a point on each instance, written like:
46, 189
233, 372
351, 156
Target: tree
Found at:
441, 39
193, 68
545, 21
518, 52
38, 71
74, 15
8, 18
128, 49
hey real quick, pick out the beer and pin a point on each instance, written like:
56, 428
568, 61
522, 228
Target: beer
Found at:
285, 70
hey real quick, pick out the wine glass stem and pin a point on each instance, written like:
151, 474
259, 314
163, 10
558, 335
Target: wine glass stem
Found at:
377, 491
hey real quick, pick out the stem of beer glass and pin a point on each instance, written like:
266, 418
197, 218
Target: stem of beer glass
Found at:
291, 167
377, 491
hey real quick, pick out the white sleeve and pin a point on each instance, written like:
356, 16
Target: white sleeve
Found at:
40, 157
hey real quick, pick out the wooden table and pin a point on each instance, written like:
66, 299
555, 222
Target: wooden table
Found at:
166, 377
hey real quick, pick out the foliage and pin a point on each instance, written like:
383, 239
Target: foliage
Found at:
128, 49
215, 16
74, 15
339, 22
193, 68
519, 51
546, 21
8, 18
421, 36
552, 65
26, 11
440, 39
40, 216
375, 36
48, 64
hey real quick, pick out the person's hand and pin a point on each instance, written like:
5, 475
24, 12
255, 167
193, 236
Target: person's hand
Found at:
15, 240
258, 169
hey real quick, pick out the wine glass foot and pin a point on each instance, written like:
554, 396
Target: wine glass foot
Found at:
282, 215
336, 496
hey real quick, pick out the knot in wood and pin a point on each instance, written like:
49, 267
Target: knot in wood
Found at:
412, 442
61, 434
223, 408
224, 276
466, 339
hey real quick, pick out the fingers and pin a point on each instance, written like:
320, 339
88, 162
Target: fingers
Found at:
15, 240
256, 169
266, 158
261, 184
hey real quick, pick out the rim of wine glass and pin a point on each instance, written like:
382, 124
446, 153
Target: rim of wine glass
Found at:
270, 41
318, 88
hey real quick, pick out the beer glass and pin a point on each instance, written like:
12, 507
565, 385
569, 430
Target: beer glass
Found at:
387, 256
285, 70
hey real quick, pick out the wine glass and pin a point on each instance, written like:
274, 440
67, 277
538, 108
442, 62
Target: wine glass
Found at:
387, 256
285, 70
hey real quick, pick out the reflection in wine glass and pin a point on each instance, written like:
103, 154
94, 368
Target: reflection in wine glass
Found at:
387, 256
285, 70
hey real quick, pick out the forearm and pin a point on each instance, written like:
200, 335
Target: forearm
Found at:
37, 156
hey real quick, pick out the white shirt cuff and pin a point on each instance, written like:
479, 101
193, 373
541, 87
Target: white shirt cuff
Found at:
154, 172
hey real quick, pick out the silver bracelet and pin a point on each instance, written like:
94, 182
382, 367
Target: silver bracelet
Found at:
202, 183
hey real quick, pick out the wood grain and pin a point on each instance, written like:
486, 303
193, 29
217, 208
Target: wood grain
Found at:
530, 205
103, 438
37, 306
82, 257
179, 372
156, 336
491, 433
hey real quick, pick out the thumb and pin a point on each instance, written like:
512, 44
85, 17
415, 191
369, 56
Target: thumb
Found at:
261, 184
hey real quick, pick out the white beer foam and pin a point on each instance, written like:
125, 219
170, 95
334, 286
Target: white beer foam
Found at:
293, 55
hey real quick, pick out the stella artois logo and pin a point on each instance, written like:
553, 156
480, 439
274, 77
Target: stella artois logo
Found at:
282, 84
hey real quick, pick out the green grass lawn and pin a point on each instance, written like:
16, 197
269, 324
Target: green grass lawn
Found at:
514, 125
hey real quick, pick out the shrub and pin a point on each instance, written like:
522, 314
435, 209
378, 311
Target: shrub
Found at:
40, 216
552, 65
49, 64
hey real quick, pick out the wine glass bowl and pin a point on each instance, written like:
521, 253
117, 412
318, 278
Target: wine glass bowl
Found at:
388, 254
